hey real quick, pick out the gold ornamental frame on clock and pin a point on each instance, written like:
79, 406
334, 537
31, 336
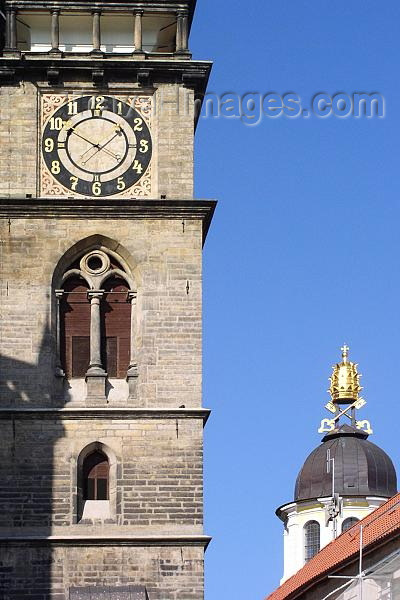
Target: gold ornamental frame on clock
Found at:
96, 145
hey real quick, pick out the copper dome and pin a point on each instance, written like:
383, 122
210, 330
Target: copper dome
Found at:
361, 468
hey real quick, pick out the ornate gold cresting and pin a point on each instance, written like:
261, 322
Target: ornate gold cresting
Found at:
344, 390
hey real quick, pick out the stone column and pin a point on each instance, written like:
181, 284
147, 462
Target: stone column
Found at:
185, 31
59, 369
55, 31
178, 47
96, 32
95, 376
95, 331
138, 37
132, 373
8, 30
11, 31
182, 31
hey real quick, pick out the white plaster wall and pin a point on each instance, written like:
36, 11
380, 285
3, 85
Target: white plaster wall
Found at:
117, 33
298, 514
75, 33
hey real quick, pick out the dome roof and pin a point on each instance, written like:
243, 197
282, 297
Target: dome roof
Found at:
361, 468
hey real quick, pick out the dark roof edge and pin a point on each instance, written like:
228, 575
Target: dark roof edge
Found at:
316, 499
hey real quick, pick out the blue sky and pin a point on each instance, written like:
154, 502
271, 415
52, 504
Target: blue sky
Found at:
303, 255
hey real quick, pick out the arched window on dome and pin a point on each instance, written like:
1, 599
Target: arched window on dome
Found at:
349, 522
312, 541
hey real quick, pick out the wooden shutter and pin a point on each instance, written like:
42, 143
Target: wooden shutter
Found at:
111, 358
124, 351
80, 355
75, 328
116, 326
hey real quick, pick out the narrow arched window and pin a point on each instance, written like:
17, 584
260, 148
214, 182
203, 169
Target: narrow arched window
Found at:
349, 522
75, 328
116, 327
96, 472
311, 539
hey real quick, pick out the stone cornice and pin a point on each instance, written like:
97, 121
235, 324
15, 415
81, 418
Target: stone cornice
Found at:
73, 5
80, 413
107, 540
108, 5
148, 71
104, 208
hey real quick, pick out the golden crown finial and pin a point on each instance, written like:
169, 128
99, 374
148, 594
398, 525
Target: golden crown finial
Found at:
345, 380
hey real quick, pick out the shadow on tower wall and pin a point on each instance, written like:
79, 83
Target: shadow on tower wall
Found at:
34, 495
38, 492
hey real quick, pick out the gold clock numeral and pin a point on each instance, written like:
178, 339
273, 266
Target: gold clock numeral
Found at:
55, 167
119, 105
121, 184
74, 182
56, 123
96, 188
137, 167
96, 103
48, 145
72, 108
144, 146
138, 124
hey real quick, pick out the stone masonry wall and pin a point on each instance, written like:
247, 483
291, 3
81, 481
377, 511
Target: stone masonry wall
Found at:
175, 130
158, 487
172, 133
18, 140
169, 573
165, 259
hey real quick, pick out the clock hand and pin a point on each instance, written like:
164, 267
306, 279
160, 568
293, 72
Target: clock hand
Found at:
110, 140
116, 128
94, 144
73, 129
115, 156
103, 147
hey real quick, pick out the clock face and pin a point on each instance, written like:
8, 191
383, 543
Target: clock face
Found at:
96, 145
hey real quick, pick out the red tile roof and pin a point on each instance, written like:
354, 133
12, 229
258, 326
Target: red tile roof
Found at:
381, 523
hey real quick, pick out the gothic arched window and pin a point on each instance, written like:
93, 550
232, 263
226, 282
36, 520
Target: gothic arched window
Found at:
349, 522
96, 483
96, 304
75, 328
311, 539
96, 477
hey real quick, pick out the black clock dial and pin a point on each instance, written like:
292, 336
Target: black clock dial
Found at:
96, 146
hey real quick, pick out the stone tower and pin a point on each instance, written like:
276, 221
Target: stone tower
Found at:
100, 267
344, 479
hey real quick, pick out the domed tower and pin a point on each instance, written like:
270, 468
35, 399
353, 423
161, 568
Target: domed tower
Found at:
341, 481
